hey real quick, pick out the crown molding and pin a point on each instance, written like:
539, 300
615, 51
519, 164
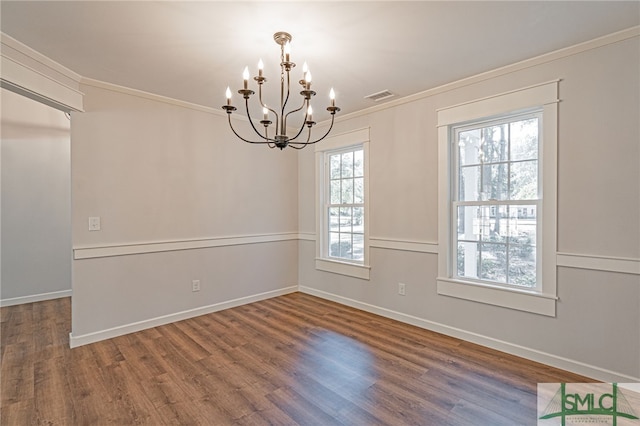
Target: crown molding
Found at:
35, 76
507, 69
149, 96
14, 44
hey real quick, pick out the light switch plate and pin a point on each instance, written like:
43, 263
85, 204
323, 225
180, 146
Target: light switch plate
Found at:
94, 223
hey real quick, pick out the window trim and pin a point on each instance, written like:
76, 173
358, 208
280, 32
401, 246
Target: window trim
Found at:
352, 139
542, 97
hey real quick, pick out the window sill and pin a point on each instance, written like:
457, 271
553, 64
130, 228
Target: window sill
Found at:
343, 268
521, 300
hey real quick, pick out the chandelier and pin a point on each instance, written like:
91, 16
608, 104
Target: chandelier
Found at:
280, 138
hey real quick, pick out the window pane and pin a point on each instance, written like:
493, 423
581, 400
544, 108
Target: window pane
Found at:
358, 219
347, 164
524, 139
358, 163
358, 190
494, 144
334, 165
335, 192
345, 246
469, 147
334, 219
522, 225
494, 223
347, 191
467, 259
522, 265
495, 185
345, 219
524, 180
358, 247
334, 244
469, 219
469, 183
493, 262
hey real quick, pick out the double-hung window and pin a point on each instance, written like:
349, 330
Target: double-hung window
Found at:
342, 175
495, 186
497, 183
345, 204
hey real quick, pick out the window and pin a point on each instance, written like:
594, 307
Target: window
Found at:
496, 183
497, 200
341, 175
345, 207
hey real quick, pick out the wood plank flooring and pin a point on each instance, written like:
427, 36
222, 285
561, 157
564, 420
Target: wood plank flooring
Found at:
295, 359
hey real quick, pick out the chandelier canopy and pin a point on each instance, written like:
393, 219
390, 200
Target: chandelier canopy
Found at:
281, 139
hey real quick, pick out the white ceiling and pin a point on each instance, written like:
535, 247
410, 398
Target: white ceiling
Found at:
193, 50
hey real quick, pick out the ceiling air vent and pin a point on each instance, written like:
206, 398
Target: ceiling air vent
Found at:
385, 94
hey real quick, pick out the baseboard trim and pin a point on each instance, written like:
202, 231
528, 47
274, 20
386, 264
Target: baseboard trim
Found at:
85, 339
500, 345
35, 298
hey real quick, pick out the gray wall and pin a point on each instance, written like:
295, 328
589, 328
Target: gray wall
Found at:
596, 330
36, 201
180, 199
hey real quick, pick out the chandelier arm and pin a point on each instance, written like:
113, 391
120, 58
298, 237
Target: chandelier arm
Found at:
304, 144
240, 137
284, 105
263, 105
297, 147
266, 134
253, 125
304, 123
304, 101
318, 140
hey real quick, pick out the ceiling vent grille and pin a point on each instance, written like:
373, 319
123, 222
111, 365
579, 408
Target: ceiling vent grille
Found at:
385, 94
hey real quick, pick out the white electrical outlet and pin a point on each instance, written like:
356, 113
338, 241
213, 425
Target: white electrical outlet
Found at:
195, 285
401, 290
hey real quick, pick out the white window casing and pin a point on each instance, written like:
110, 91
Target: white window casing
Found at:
335, 144
539, 300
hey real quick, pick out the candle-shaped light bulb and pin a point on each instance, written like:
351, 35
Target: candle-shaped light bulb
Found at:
332, 96
228, 93
307, 78
305, 69
287, 51
245, 77
260, 67
265, 113
309, 113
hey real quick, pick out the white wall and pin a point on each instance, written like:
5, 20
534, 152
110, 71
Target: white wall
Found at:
596, 330
180, 199
36, 201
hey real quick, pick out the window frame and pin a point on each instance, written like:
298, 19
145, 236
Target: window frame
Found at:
493, 205
328, 204
542, 97
335, 144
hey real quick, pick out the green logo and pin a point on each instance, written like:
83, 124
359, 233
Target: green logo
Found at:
588, 401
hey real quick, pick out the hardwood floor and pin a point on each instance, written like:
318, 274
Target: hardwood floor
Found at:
294, 359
